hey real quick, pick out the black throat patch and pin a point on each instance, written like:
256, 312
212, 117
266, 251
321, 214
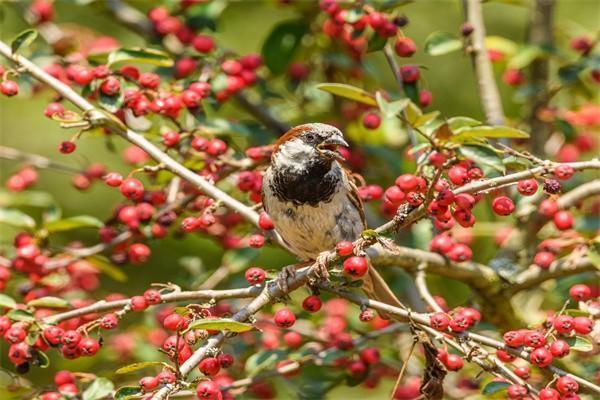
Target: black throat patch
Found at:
316, 182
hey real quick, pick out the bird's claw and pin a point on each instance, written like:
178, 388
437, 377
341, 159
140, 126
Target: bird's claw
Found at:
320, 269
282, 278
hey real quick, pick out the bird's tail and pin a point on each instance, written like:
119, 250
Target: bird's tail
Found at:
377, 289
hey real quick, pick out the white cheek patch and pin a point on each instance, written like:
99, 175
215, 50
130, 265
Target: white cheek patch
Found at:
293, 153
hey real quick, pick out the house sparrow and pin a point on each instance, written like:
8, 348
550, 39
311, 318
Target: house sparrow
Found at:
313, 202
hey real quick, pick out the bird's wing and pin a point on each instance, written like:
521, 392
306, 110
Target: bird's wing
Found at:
354, 197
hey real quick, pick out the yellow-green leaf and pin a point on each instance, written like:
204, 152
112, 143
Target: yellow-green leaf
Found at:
478, 132
438, 43
104, 265
128, 392
390, 109
139, 55
49, 302
579, 343
6, 301
16, 218
137, 366
220, 324
482, 155
349, 92
99, 389
67, 224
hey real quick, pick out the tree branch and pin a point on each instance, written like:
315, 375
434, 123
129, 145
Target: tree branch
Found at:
532, 277
8, 153
488, 90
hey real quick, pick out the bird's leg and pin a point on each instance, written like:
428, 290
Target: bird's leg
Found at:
320, 268
287, 272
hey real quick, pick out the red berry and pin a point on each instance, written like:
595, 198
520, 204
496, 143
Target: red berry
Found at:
190, 99
149, 80
566, 384
458, 175
284, 318
71, 338
541, 357
453, 362
225, 360
505, 356
517, 391
152, 296
53, 109
407, 182
66, 147
563, 324
312, 304
208, 390
356, 266
148, 383
580, 292
63, 377
548, 208
549, 394
171, 138
527, 187
175, 322
559, 348
209, 366
138, 303
582, 44
583, 325
9, 88
109, 321
88, 346
394, 195
110, 86
563, 220
502, 205
405, 47
460, 252
265, 222
371, 120
255, 275
53, 335
460, 323
344, 248
15, 334
203, 44
523, 372
441, 244
138, 253
370, 355
534, 339
543, 259
132, 189
564, 172
514, 338
257, 241
409, 73
439, 321
513, 77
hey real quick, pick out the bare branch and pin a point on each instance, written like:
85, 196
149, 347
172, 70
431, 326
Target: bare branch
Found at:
8, 153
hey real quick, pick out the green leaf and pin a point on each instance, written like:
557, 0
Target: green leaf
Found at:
579, 343
6, 301
525, 56
20, 315
390, 109
575, 312
41, 360
49, 302
439, 43
456, 123
506, 46
494, 386
23, 39
426, 118
16, 218
282, 43
349, 92
104, 265
100, 388
258, 362
111, 103
139, 55
67, 224
566, 128
569, 74
376, 43
477, 132
137, 366
482, 155
516, 163
128, 392
29, 198
221, 324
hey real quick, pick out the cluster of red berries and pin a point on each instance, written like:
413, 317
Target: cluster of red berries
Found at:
66, 386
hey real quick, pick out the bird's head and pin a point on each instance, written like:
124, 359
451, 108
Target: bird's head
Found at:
308, 143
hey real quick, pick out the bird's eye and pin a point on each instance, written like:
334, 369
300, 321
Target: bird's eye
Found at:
310, 137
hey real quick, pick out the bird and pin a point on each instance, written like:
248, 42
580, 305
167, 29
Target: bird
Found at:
313, 201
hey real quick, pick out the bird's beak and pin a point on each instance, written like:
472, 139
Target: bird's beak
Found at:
333, 141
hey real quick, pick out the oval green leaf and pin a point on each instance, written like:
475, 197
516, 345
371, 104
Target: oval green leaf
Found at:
349, 92
7, 302
390, 109
20, 315
221, 324
439, 43
30, 198
16, 218
579, 343
478, 132
67, 224
49, 302
482, 155
137, 366
23, 39
127, 392
99, 389
494, 387
139, 55
282, 43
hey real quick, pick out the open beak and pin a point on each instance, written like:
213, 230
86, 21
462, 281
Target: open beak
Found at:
332, 143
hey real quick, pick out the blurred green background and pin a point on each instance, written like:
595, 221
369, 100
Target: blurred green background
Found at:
243, 27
